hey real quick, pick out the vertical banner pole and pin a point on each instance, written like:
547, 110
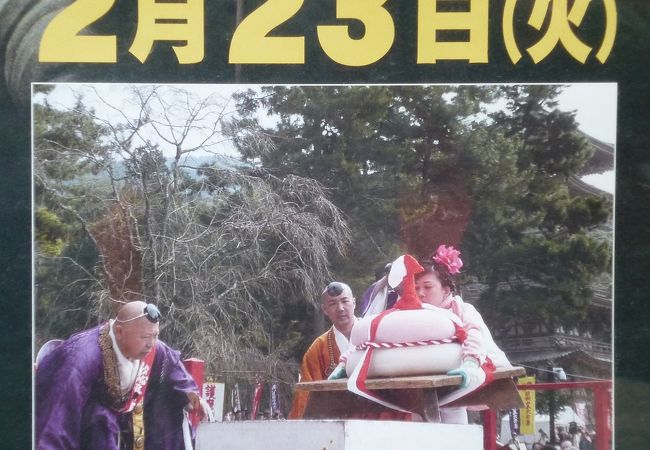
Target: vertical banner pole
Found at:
603, 414
490, 429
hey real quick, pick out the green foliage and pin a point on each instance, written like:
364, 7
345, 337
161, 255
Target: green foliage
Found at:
68, 143
69, 146
65, 289
50, 232
416, 166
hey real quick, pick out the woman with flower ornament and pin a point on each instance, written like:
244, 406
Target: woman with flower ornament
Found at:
480, 354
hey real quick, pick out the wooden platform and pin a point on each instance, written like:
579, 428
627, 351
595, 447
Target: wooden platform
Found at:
330, 399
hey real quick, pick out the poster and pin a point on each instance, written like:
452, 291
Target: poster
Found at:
276, 42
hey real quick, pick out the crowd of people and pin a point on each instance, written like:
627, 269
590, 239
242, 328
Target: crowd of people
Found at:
579, 439
576, 437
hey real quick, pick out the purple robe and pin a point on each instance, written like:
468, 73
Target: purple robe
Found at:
72, 399
369, 295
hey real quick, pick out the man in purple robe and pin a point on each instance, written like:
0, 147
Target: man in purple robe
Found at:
114, 387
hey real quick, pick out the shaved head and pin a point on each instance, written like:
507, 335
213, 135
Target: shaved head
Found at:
334, 289
135, 334
337, 303
130, 311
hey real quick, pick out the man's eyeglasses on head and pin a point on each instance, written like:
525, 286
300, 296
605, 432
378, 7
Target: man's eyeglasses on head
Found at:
150, 311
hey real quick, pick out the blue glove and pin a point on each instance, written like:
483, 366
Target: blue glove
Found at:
471, 372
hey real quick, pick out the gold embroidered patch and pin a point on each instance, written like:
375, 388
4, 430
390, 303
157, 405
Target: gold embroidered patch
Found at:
111, 369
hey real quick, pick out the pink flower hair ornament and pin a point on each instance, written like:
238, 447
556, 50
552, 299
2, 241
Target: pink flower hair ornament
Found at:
448, 257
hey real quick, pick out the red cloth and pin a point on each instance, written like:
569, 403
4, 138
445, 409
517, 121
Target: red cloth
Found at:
408, 297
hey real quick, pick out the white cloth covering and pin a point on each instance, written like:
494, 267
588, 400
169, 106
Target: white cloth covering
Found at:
341, 341
128, 368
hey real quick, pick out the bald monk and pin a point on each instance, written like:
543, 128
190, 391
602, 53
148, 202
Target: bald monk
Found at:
322, 357
114, 387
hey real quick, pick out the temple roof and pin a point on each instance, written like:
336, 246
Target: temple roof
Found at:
602, 159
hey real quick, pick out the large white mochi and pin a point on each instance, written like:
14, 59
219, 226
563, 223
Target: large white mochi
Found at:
407, 326
408, 361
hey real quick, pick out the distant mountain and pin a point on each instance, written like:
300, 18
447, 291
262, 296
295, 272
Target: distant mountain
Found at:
217, 161
188, 166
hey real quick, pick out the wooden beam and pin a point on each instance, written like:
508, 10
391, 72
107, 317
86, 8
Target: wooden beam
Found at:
330, 399
416, 382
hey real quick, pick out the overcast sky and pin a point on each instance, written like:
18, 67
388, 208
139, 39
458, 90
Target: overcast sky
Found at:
595, 106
